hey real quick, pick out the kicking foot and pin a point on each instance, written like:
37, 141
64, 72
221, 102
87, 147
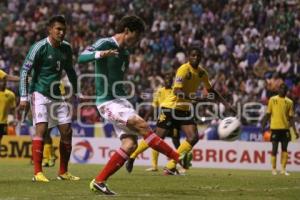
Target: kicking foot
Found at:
101, 187
129, 164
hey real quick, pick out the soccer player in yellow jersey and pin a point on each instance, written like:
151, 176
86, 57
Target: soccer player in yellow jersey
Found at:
176, 109
281, 112
7, 104
158, 98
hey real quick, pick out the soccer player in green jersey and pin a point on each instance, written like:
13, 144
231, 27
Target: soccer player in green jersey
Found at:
45, 61
111, 59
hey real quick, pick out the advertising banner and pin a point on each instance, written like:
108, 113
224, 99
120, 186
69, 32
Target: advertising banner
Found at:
19, 147
206, 154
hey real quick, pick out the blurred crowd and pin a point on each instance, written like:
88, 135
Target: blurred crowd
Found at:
249, 47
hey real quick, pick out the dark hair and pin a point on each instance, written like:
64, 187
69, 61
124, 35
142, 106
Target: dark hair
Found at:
56, 18
284, 86
194, 48
132, 22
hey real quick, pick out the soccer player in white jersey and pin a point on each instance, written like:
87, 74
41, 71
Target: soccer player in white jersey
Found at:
111, 58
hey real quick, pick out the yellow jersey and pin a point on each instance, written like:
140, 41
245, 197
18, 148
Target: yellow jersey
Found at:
188, 80
2, 74
7, 101
280, 108
160, 95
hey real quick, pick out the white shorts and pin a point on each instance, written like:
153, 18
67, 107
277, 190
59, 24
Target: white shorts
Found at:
117, 112
44, 109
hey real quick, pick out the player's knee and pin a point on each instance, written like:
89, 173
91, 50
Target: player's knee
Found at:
139, 124
132, 148
41, 129
284, 147
192, 139
129, 147
66, 136
143, 126
274, 152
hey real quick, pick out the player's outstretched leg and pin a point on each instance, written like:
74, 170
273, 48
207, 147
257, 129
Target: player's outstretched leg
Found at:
116, 161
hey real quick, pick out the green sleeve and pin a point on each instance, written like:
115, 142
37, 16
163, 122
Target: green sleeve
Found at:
87, 55
28, 64
70, 71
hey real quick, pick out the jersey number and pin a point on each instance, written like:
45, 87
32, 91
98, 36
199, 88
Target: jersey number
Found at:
58, 65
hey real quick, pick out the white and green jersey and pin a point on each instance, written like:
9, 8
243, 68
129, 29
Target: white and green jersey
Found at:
109, 71
45, 63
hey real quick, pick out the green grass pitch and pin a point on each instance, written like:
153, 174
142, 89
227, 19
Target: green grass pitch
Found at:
15, 183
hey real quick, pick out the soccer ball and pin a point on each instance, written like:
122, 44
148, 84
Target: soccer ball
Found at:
229, 128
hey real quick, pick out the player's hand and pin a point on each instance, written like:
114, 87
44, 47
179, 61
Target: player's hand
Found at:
107, 53
232, 111
297, 135
24, 106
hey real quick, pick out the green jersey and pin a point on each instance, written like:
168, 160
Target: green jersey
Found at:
109, 71
45, 63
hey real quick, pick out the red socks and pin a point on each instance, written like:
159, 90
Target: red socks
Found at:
65, 150
37, 154
158, 144
114, 164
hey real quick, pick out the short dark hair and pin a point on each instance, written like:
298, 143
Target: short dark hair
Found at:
284, 86
132, 22
56, 18
194, 48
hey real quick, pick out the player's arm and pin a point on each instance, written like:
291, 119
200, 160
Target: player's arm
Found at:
267, 116
292, 120
95, 52
26, 68
8, 77
292, 123
12, 105
70, 71
12, 78
217, 96
264, 121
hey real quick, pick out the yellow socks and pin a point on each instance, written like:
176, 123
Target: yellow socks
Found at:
184, 147
154, 159
284, 159
47, 152
273, 161
141, 148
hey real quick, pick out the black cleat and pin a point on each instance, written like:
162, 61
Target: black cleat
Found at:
101, 187
129, 164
